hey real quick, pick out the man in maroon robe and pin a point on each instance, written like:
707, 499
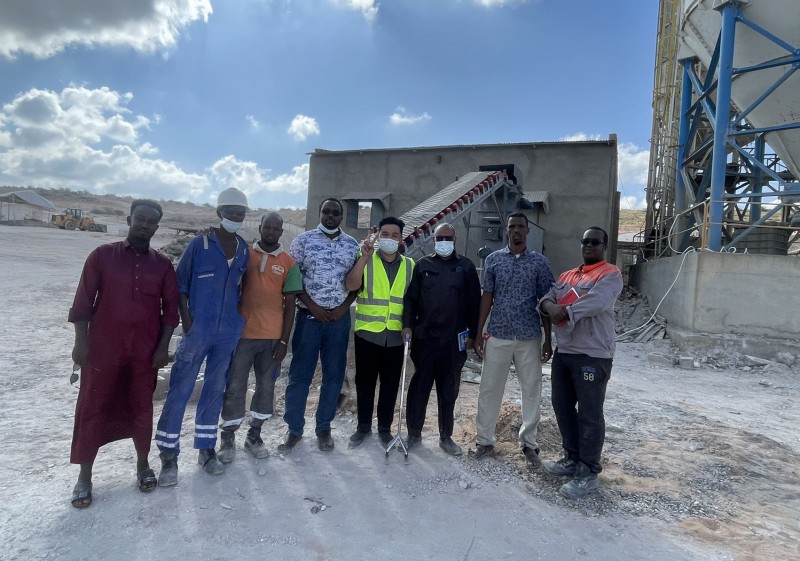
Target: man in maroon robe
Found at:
125, 310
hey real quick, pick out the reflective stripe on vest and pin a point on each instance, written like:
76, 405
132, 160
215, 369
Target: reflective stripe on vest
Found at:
378, 306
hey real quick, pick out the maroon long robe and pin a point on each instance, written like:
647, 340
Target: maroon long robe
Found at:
126, 297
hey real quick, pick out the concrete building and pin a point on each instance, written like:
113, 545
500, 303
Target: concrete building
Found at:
567, 186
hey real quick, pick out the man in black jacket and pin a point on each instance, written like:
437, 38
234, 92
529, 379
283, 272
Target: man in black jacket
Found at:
440, 312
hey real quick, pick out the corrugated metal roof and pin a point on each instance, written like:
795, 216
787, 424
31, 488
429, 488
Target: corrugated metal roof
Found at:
324, 152
541, 197
28, 197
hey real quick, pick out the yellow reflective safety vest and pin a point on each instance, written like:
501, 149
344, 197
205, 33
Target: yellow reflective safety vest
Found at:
378, 305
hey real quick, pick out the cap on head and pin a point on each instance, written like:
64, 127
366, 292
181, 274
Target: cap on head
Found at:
232, 197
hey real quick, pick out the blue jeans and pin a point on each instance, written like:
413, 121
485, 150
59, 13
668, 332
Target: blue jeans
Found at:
314, 340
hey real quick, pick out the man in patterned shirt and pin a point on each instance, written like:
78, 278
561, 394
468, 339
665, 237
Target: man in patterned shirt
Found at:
322, 329
514, 280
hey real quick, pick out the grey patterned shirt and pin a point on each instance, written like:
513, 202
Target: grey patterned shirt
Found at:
324, 263
516, 282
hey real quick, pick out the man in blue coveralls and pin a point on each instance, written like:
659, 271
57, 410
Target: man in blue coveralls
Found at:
209, 280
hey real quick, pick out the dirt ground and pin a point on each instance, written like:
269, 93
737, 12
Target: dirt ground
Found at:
700, 464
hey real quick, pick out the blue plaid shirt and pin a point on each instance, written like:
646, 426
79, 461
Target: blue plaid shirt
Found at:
517, 283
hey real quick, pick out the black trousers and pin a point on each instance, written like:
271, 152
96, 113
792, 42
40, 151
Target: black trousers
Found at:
579, 391
438, 362
373, 363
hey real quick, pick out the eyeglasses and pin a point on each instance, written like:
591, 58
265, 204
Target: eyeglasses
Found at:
590, 241
444, 238
331, 212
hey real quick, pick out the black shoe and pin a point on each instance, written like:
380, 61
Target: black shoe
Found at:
211, 464
450, 447
582, 484
325, 440
357, 438
412, 441
531, 456
481, 451
289, 442
564, 467
386, 437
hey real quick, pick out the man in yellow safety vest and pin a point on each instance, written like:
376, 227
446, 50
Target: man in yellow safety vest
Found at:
381, 278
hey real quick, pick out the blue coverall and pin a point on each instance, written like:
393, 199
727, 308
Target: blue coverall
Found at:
213, 289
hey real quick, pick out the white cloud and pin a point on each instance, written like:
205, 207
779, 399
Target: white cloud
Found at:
89, 139
251, 180
630, 202
43, 28
302, 127
369, 8
401, 117
633, 163
580, 137
498, 3
253, 122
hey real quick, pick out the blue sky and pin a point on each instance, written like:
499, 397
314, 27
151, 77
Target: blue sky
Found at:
178, 99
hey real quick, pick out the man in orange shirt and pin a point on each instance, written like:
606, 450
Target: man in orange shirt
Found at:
269, 288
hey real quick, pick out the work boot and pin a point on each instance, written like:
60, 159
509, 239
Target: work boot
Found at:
357, 438
449, 446
289, 442
584, 483
255, 445
412, 441
481, 451
531, 456
211, 464
227, 448
564, 467
169, 469
325, 440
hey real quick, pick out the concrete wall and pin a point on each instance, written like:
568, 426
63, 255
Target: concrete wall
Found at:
581, 178
723, 293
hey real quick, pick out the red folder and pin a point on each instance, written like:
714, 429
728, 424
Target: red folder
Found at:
569, 298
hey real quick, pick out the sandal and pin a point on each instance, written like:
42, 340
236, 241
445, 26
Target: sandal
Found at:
147, 480
82, 494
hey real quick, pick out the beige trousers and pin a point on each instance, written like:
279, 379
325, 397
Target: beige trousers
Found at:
497, 358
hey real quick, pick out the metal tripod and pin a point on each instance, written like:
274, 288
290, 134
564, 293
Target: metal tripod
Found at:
398, 440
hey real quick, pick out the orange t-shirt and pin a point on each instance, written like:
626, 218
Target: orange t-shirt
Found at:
263, 291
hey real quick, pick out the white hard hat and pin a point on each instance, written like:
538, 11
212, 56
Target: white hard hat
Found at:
231, 197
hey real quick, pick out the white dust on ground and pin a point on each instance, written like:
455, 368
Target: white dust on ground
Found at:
700, 465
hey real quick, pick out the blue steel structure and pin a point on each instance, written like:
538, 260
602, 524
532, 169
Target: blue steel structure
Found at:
711, 128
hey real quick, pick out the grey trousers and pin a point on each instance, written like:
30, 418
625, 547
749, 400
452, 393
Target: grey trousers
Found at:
257, 354
498, 355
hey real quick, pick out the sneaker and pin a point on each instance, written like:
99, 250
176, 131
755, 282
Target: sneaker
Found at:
581, 485
169, 469
562, 468
211, 464
289, 442
450, 447
227, 447
481, 451
386, 437
357, 438
531, 456
412, 441
255, 445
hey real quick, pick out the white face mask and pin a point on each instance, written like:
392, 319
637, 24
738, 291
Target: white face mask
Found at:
444, 249
230, 225
388, 245
327, 230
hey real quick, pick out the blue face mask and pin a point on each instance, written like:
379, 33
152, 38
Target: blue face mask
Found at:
327, 230
444, 249
388, 245
230, 225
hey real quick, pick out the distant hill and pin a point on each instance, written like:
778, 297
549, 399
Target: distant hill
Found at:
176, 214
190, 215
